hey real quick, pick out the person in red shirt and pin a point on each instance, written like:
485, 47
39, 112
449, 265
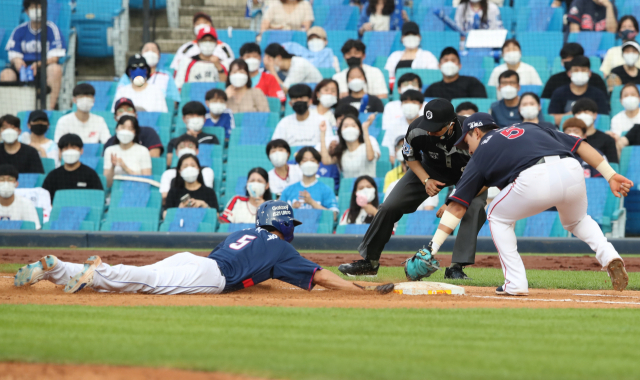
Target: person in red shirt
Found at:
266, 82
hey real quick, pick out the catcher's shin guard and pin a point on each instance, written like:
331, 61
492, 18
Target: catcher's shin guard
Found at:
421, 265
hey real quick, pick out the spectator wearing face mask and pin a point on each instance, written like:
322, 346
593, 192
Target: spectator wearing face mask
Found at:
219, 115
260, 79
477, 14
12, 206
242, 209
127, 157
587, 110
364, 202
567, 54
381, 16
530, 109
73, 175
453, 85
512, 55
282, 174
412, 56
627, 31
353, 52
148, 136
288, 15
564, 97
628, 72
91, 128
205, 66
23, 157
309, 193
294, 69
147, 97
186, 144
193, 116
320, 54
38, 126
505, 111
466, 109
358, 97
412, 104
190, 182
242, 96
325, 100
578, 128
303, 127
592, 15
393, 110
625, 120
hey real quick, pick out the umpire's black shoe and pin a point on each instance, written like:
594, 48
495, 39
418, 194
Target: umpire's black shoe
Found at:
359, 268
455, 273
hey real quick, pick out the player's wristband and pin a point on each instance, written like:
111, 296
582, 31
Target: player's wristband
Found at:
438, 239
450, 220
606, 170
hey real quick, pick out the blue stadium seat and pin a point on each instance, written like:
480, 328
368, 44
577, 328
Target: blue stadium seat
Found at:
530, 88
336, 17
165, 62
93, 21
547, 44
318, 4
48, 164
190, 220
92, 150
6, 225
197, 91
539, 19
282, 36
419, 223
105, 91
429, 22
314, 221
28, 180
135, 194
594, 43
235, 227
379, 44
352, 229
337, 38
237, 38
147, 219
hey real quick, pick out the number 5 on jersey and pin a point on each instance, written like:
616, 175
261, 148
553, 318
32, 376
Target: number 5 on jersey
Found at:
512, 132
242, 242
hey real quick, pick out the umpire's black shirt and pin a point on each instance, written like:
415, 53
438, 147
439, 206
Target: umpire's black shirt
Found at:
441, 160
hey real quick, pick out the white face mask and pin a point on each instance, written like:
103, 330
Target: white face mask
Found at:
125, 136
189, 174
411, 42
350, 134
195, 123
238, 79
34, 14
309, 168
368, 192
278, 159
184, 151
410, 110
399, 155
529, 112
630, 103
198, 28
588, 119
9, 135
85, 104
508, 92
408, 87
71, 156
151, 57
253, 63
316, 44
356, 85
449, 69
207, 47
579, 78
327, 100
630, 58
512, 57
7, 188
256, 189
217, 108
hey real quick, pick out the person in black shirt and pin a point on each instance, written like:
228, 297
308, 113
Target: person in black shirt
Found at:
148, 136
434, 163
193, 115
627, 73
190, 182
453, 85
358, 98
631, 138
73, 174
568, 52
24, 157
586, 110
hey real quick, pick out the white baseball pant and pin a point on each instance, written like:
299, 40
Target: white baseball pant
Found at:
557, 182
182, 273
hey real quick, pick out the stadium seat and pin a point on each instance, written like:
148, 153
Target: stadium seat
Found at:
16, 225
147, 219
419, 223
352, 229
336, 17
483, 104
530, 88
135, 194
105, 91
165, 62
158, 165
539, 19
190, 220
327, 72
594, 43
197, 91
235, 227
282, 36
544, 224
28, 180
82, 210
379, 44
48, 164
95, 163
429, 22
604, 207
314, 221
337, 38
274, 104
94, 21
9, 20
546, 44
236, 38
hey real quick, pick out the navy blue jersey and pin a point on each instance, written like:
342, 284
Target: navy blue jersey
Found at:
251, 256
506, 152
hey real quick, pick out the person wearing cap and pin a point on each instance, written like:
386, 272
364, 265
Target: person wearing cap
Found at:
288, 15
148, 136
627, 73
630, 115
317, 43
453, 85
203, 67
193, 116
148, 97
536, 170
73, 175
628, 29
91, 128
23, 157
14, 207
38, 124
412, 101
295, 69
190, 49
267, 83
412, 56
354, 54
434, 163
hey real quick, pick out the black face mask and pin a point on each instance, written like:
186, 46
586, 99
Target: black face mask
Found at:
300, 107
39, 129
354, 61
627, 35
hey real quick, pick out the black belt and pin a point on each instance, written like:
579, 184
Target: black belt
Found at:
542, 160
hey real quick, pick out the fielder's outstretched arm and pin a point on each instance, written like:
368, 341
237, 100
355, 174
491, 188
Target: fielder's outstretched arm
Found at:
619, 185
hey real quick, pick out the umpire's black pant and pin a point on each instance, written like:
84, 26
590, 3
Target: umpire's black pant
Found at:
405, 198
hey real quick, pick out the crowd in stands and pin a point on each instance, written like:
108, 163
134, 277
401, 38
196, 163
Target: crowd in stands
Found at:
332, 116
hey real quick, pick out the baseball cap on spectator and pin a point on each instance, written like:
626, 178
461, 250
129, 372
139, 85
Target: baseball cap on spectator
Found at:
207, 31
194, 108
410, 28
38, 116
70, 139
84, 89
135, 63
478, 119
631, 43
317, 31
10, 170
123, 101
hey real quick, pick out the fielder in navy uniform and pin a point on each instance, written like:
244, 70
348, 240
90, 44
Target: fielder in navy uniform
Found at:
536, 169
245, 258
434, 163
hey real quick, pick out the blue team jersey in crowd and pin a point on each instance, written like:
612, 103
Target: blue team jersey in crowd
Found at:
25, 43
225, 121
506, 152
319, 192
251, 256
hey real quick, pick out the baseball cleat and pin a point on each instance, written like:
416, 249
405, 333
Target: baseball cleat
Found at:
359, 268
34, 272
84, 277
455, 273
500, 290
618, 275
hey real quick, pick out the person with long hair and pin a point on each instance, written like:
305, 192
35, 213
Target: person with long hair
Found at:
297, 69
190, 182
325, 100
364, 202
242, 209
127, 156
478, 14
412, 56
530, 110
382, 15
242, 97
358, 96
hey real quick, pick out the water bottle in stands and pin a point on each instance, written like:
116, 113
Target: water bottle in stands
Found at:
29, 74
23, 74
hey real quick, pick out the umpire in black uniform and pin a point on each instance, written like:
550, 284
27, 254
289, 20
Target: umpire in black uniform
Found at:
434, 163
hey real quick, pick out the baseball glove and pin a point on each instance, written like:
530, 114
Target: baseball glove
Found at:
380, 289
422, 265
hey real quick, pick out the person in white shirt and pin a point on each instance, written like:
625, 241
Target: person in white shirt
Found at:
13, 207
364, 202
393, 109
512, 55
38, 126
147, 97
186, 144
325, 100
413, 56
624, 121
627, 31
282, 174
412, 103
297, 69
91, 128
242, 209
478, 14
127, 157
205, 66
301, 128
353, 52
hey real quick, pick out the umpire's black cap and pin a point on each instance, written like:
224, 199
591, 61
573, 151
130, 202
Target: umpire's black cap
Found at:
437, 114
478, 119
